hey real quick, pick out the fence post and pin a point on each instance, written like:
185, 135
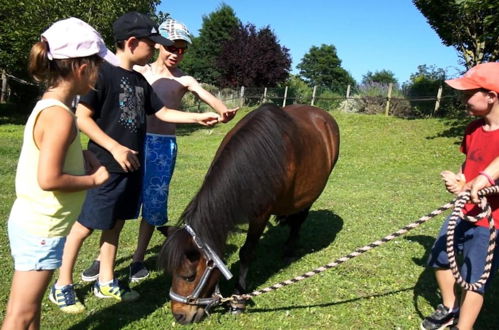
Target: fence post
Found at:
388, 98
348, 91
313, 95
3, 97
265, 95
241, 97
285, 96
439, 97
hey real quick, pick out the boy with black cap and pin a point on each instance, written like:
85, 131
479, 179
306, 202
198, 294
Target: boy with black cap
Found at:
480, 92
114, 118
170, 84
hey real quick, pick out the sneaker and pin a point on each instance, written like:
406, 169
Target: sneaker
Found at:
65, 298
91, 273
115, 290
138, 272
440, 319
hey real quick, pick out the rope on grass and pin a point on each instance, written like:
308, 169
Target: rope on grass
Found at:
458, 202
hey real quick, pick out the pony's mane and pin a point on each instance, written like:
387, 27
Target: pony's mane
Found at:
243, 179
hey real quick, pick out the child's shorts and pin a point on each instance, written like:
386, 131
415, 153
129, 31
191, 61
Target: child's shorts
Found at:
31, 252
160, 154
117, 199
472, 242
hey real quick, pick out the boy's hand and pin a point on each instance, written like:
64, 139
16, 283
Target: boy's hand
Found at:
454, 183
207, 118
477, 184
228, 115
127, 158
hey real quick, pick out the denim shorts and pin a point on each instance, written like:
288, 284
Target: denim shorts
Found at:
471, 242
117, 199
31, 252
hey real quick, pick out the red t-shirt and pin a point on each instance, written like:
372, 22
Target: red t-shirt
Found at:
481, 148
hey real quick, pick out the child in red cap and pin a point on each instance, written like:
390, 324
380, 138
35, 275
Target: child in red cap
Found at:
480, 90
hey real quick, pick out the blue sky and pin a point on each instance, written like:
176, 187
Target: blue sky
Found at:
369, 35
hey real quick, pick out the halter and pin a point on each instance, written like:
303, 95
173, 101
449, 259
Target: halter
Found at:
212, 262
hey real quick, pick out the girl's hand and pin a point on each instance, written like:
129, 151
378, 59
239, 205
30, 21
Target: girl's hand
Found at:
207, 118
455, 183
100, 175
127, 158
91, 162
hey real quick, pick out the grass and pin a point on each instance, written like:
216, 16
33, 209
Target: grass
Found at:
387, 176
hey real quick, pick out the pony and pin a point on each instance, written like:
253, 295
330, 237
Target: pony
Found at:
275, 161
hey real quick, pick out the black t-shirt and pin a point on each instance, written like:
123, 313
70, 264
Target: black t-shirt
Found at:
120, 102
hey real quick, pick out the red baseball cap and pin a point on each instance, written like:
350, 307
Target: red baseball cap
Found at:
485, 75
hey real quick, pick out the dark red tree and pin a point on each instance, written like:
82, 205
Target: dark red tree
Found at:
253, 58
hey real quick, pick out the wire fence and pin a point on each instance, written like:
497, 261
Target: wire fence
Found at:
383, 99
364, 99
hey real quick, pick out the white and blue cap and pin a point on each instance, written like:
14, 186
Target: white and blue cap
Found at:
174, 30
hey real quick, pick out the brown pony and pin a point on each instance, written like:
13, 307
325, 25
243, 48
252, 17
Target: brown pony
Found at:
275, 161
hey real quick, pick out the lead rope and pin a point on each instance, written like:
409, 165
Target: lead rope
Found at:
459, 202
455, 215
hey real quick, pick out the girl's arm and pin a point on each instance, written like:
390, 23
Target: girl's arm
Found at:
127, 158
54, 131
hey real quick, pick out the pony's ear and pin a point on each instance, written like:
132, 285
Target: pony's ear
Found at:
167, 231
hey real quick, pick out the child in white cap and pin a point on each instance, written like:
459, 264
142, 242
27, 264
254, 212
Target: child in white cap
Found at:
171, 84
52, 172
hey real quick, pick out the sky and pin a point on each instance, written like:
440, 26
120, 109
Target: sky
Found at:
369, 35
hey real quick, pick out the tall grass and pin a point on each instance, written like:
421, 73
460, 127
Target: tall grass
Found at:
387, 176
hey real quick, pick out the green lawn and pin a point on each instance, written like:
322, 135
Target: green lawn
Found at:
387, 176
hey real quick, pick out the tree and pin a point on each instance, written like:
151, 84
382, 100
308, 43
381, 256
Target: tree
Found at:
470, 26
422, 88
268, 64
322, 67
200, 60
22, 22
384, 77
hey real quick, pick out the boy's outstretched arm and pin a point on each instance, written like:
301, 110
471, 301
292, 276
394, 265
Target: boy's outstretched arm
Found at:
215, 103
180, 117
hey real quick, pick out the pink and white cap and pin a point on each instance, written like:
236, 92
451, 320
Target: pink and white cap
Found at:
72, 37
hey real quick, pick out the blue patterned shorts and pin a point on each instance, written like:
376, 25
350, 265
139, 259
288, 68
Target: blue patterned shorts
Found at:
160, 156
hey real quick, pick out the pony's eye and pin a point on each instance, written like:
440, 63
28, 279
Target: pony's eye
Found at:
189, 278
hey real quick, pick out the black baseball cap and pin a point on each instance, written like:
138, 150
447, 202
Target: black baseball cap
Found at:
135, 24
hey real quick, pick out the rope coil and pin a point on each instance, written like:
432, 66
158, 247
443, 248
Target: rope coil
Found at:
458, 204
457, 213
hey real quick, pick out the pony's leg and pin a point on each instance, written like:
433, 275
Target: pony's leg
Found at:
246, 255
294, 221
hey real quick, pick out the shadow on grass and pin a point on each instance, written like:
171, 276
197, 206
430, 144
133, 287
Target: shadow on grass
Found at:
317, 232
154, 295
455, 128
333, 303
426, 287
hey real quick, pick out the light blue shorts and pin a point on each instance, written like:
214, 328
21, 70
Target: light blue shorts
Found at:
34, 253
160, 156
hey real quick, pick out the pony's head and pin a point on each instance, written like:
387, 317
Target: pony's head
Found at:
195, 269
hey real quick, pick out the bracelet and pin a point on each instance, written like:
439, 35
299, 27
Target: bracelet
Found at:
489, 178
